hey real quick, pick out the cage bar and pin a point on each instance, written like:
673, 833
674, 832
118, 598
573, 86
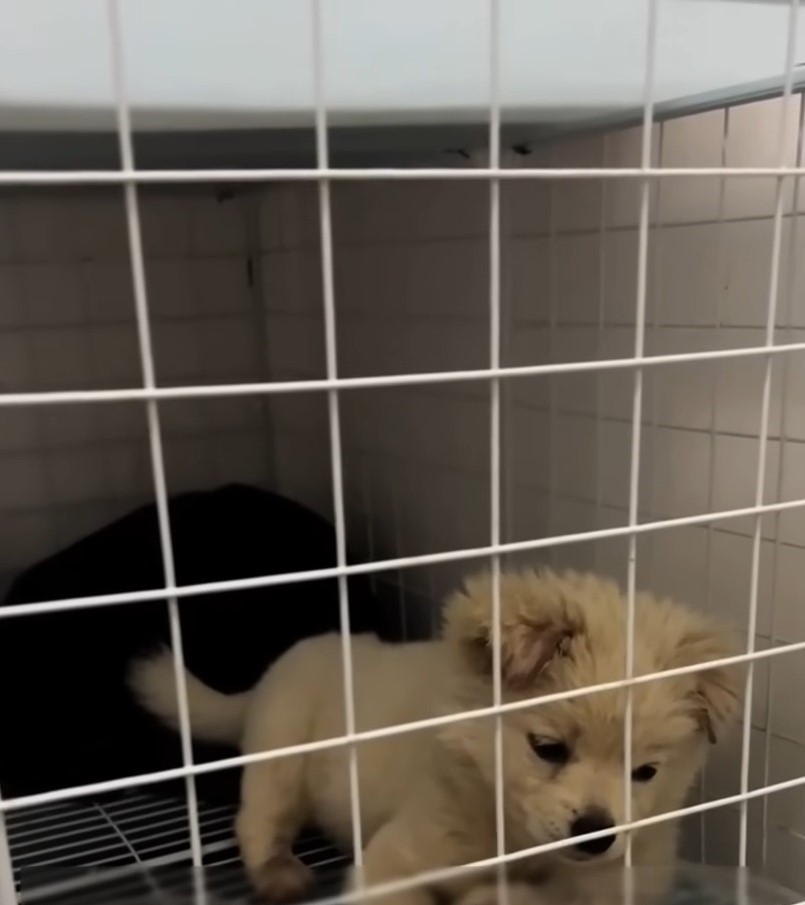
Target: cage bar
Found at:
378, 174
152, 413
494, 426
763, 432
416, 379
7, 891
637, 413
334, 420
713, 409
793, 270
599, 344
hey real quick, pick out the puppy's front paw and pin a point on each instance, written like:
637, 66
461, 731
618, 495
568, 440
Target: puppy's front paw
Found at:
282, 878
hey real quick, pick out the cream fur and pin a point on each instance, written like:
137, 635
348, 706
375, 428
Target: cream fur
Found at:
427, 798
215, 717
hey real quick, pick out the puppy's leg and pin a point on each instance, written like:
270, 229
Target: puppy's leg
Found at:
272, 811
274, 803
415, 842
389, 857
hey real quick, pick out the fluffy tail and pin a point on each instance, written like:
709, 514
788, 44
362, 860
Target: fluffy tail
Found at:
214, 716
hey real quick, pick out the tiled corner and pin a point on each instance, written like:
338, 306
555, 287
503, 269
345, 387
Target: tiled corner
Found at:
578, 203
623, 196
754, 134
691, 141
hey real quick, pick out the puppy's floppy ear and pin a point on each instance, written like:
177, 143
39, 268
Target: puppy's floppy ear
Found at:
531, 636
716, 697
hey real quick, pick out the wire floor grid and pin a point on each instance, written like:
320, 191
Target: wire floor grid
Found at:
136, 848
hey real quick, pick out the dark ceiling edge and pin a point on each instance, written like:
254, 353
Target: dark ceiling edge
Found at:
404, 146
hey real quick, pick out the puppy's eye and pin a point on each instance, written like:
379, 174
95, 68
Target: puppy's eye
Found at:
550, 751
644, 773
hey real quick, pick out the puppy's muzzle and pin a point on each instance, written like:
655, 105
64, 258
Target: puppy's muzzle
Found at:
592, 822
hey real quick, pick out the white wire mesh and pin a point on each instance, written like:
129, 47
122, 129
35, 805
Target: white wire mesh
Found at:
786, 117
786, 387
495, 328
637, 416
416, 379
152, 413
379, 174
713, 409
129, 178
8, 892
326, 228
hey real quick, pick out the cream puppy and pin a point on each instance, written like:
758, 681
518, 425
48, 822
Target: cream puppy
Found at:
427, 797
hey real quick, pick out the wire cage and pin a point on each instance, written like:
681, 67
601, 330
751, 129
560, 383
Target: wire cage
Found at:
484, 340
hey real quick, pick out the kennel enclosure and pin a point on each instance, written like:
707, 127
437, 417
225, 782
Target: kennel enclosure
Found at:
562, 339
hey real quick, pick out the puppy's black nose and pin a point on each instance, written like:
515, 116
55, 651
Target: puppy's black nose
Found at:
592, 822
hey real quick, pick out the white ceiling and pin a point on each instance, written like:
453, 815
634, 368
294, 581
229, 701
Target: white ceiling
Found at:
208, 63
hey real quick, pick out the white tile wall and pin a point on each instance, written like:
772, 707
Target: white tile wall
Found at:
67, 322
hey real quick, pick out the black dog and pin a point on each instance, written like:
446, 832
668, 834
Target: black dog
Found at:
67, 716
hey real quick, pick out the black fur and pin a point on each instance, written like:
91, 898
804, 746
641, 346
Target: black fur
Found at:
67, 717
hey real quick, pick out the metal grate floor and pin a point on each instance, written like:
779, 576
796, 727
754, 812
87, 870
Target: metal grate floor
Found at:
136, 848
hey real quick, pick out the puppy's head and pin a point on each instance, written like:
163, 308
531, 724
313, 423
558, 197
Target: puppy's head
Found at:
563, 761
